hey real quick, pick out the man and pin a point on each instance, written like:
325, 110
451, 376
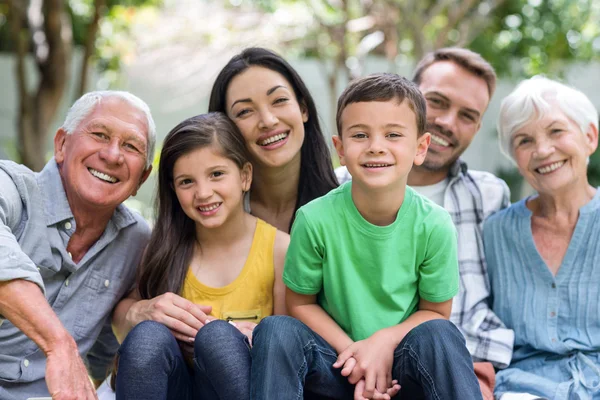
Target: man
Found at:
70, 248
458, 85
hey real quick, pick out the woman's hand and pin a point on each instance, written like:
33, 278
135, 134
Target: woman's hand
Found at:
181, 316
246, 328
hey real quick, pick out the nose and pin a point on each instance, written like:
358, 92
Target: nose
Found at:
267, 119
204, 191
544, 148
376, 145
111, 153
446, 120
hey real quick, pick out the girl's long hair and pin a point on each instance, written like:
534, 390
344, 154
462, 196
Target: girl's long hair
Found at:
171, 247
316, 170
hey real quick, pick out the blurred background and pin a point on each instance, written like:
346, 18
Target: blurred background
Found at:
168, 52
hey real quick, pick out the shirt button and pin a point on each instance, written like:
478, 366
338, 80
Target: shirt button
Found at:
553, 314
106, 283
68, 225
70, 255
67, 282
26, 363
553, 340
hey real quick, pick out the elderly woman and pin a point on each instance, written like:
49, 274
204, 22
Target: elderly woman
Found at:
543, 252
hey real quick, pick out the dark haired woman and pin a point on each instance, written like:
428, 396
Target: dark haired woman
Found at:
270, 104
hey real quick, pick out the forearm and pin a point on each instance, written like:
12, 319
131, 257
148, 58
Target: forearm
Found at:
24, 305
320, 322
125, 317
398, 332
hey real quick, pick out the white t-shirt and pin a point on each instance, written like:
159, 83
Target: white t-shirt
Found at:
434, 192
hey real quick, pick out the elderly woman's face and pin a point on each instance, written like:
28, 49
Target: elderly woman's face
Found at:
551, 152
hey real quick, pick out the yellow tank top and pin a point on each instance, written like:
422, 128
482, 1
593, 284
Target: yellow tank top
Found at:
250, 296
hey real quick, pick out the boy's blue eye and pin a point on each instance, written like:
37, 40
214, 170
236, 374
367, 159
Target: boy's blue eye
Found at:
394, 134
359, 135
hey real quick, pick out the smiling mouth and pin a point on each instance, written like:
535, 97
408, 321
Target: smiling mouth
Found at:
102, 176
550, 168
376, 165
209, 207
439, 140
273, 139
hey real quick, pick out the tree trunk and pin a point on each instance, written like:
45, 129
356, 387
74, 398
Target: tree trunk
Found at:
90, 42
53, 57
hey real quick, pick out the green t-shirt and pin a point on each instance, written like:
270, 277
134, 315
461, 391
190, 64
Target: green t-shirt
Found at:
370, 277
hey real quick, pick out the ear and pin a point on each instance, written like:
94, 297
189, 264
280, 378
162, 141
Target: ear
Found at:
592, 139
339, 147
304, 110
145, 176
59, 145
246, 174
422, 146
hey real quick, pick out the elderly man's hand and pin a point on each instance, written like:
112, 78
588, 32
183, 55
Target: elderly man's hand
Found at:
66, 375
181, 316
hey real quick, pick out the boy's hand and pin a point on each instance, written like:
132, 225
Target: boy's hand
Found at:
373, 362
391, 392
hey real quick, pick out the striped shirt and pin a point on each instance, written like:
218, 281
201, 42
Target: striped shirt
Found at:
470, 197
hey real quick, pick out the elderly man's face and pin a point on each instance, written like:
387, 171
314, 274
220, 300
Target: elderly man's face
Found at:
102, 163
456, 101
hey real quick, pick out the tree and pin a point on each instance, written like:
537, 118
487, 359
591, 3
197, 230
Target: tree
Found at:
47, 30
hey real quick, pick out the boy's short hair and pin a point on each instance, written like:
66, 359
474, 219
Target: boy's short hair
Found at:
469, 60
383, 87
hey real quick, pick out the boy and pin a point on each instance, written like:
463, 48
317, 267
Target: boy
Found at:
371, 270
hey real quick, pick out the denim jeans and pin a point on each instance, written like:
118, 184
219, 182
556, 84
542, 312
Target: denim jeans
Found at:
431, 362
152, 366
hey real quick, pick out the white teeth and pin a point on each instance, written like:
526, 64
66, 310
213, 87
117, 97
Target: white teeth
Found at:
439, 140
209, 208
551, 167
273, 139
377, 165
102, 176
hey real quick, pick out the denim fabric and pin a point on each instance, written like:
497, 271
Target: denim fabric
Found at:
152, 366
431, 362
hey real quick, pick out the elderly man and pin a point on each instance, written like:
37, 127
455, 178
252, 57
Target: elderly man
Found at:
458, 85
70, 248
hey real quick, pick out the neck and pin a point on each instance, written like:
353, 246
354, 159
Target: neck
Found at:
565, 204
379, 207
232, 231
420, 176
276, 188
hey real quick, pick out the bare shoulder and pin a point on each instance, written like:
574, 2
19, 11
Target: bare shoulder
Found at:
282, 241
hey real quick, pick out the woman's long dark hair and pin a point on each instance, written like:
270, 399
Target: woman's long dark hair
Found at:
171, 247
316, 170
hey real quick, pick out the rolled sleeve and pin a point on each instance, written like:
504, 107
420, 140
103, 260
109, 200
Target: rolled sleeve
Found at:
15, 264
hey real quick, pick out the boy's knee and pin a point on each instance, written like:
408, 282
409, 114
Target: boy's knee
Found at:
437, 332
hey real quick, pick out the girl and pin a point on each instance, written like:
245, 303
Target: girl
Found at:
270, 104
210, 274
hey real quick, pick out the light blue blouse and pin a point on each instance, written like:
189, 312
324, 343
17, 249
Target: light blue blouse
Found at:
556, 319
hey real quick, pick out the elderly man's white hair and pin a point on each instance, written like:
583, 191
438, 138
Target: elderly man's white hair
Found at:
531, 99
86, 104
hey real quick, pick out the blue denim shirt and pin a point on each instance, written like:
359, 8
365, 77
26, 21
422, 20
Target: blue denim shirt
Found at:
36, 224
556, 318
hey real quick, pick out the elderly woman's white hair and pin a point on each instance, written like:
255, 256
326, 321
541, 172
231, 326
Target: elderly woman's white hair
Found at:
531, 99
86, 104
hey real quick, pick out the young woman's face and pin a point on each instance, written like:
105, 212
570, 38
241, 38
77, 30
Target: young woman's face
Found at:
209, 186
263, 105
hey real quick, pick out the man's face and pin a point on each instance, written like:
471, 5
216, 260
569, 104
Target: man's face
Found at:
102, 163
456, 101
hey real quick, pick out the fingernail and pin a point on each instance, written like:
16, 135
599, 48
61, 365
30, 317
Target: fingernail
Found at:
191, 340
232, 323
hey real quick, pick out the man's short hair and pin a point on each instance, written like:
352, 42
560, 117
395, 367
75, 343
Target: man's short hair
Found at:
383, 87
86, 104
469, 60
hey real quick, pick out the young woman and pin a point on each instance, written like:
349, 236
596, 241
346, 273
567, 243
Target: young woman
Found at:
210, 273
268, 101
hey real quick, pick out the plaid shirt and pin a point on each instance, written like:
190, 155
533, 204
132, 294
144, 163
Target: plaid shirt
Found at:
471, 197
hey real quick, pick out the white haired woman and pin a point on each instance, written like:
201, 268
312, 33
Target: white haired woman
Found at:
543, 252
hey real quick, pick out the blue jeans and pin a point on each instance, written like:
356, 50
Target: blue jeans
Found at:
431, 362
152, 366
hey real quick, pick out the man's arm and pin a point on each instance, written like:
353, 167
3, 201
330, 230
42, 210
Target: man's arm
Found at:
23, 303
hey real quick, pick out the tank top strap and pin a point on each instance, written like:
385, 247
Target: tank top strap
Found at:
263, 246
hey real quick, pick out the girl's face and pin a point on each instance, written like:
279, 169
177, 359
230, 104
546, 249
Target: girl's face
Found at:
551, 152
263, 105
209, 186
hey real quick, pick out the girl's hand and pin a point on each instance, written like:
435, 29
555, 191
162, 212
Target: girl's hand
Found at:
391, 392
181, 316
246, 328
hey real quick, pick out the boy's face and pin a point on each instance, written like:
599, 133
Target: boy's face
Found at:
378, 143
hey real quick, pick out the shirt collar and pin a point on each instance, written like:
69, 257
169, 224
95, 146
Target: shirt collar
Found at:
56, 205
458, 168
